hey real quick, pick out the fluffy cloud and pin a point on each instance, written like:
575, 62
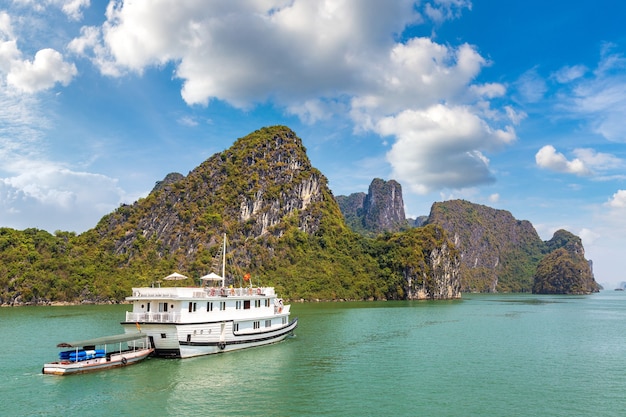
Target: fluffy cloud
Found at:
587, 161
320, 59
292, 52
549, 158
47, 69
43, 72
441, 147
618, 201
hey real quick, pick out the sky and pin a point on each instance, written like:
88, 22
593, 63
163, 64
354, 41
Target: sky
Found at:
518, 105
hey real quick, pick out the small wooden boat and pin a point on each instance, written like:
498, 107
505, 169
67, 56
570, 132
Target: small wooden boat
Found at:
99, 354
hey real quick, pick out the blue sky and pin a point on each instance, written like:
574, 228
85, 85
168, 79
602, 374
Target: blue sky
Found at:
518, 105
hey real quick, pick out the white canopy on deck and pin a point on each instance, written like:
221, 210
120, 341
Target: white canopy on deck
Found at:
175, 277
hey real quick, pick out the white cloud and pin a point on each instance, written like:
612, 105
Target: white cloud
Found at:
618, 200
489, 90
587, 161
599, 97
320, 59
72, 8
570, 73
43, 72
442, 10
531, 86
598, 161
47, 69
441, 147
548, 158
53, 198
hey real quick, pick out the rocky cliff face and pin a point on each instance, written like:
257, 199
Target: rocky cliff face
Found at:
564, 270
441, 280
498, 252
426, 262
383, 207
248, 189
380, 210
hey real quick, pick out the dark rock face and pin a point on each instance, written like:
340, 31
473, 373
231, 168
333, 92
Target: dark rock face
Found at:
565, 270
262, 179
383, 207
498, 252
380, 210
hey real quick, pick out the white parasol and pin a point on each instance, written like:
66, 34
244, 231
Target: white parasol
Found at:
175, 277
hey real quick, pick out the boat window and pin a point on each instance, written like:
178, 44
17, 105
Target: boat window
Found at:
257, 303
163, 335
209, 306
148, 307
257, 324
268, 323
222, 305
162, 307
236, 327
246, 304
267, 302
238, 305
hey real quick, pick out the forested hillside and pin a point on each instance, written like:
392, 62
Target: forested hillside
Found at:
283, 225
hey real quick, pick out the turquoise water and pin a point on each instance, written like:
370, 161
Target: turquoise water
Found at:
484, 355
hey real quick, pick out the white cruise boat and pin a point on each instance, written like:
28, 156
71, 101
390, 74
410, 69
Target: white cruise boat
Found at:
183, 322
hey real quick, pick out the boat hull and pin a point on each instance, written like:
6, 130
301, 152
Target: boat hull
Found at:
187, 340
116, 360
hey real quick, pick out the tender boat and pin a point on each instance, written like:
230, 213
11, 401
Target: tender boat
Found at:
183, 322
100, 353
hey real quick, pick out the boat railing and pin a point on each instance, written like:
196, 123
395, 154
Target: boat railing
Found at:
152, 317
234, 292
182, 292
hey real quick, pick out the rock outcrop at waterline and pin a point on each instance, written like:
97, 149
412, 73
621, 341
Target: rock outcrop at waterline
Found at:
564, 270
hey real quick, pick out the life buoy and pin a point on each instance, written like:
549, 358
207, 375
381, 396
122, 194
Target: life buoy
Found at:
221, 345
258, 291
124, 361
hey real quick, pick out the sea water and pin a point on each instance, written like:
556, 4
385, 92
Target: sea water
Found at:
483, 355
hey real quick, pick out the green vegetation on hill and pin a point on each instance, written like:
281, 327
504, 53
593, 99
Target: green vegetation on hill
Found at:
499, 253
564, 270
283, 226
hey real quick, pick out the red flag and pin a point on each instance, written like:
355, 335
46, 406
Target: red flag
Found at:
246, 277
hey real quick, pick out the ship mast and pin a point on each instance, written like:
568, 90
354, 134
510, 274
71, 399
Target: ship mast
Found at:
224, 260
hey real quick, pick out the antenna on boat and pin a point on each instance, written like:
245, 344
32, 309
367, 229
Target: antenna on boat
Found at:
224, 260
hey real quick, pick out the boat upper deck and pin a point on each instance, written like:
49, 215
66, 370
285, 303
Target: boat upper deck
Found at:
186, 293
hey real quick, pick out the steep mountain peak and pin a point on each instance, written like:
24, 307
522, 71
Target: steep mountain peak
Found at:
249, 190
380, 210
